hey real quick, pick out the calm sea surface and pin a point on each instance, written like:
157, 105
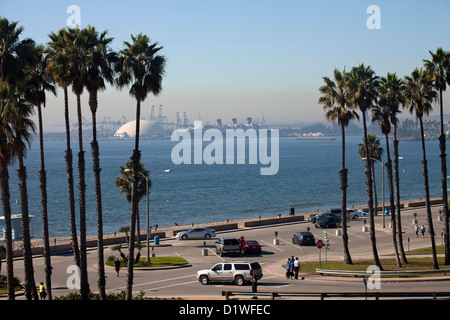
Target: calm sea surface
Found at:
307, 179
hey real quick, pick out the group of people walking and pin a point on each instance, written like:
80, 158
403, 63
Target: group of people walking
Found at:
292, 268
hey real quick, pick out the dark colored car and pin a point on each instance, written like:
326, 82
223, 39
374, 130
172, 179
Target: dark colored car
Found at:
326, 213
304, 238
327, 221
251, 246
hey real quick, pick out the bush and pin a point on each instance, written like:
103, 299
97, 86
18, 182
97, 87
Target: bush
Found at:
74, 295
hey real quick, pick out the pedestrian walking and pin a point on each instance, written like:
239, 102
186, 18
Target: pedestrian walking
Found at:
416, 229
292, 211
296, 268
288, 268
292, 266
117, 266
254, 285
422, 230
42, 292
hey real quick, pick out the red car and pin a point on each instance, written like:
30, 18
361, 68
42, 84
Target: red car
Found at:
251, 246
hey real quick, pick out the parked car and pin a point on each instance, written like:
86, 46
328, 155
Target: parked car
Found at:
329, 212
328, 221
351, 214
251, 246
196, 233
227, 245
238, 271
303, 238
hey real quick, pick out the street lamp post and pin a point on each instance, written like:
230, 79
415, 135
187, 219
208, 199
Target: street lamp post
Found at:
147, 179
382, 184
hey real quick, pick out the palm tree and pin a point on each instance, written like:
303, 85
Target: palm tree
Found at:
58, 69
77, 55
375, 153
363, 86
141, 66
382, 114
419, 96
15, 54
99, 65
6, 155
23, 128
437, 68
334, 101
38, 82
124, 183
392, 88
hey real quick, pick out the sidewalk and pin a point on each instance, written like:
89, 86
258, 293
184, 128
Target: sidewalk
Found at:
278, 270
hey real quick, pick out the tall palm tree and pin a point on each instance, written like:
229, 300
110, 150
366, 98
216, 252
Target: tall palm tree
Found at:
419, 96
58, 68
363, 86
382, 114
334, 101
6, 155
14, 57
76, 55
38, 83
23, 128
437, 68
99, 64
140, 66
392, 88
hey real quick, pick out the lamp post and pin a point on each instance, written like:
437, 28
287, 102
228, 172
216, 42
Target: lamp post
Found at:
147, 179
382, 183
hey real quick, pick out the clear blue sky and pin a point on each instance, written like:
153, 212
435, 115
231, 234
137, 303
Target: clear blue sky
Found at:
239, 58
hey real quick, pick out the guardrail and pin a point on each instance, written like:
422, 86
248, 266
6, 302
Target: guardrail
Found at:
383, 273
322, 295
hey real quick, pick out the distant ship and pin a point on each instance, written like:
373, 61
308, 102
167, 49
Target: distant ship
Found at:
313, 136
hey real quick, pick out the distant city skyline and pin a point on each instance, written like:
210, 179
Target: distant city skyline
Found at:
248, 58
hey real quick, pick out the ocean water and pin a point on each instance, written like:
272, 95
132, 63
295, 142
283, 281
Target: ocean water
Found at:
193, 193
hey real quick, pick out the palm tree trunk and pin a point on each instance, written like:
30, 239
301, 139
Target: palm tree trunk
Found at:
444, 182
82, 198
427, 198
397, 198
134, 203
370, 198
70, 183
343, 178
392, 202
101, 283
30, 285
43, 187
375, 195
4, 183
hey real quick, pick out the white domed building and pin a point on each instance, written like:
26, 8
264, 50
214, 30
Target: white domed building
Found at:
148, 129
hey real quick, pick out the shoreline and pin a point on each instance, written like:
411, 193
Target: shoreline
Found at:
62, 244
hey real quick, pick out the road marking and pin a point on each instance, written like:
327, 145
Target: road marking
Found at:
272, 245
292, 244
216, 255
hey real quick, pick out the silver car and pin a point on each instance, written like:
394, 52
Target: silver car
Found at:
196, 233
237, 271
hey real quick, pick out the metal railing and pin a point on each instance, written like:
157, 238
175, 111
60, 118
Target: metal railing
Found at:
322, 295
383, 273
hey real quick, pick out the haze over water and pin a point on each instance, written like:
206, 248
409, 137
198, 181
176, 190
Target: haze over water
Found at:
307, 179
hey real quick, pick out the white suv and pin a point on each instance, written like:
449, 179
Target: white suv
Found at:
237, 271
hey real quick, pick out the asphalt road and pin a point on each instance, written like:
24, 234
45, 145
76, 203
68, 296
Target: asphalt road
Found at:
182, 282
